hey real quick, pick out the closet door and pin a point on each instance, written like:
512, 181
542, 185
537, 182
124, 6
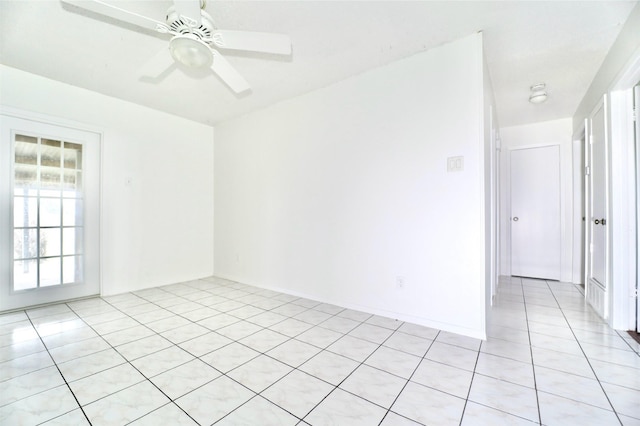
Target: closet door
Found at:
535, 212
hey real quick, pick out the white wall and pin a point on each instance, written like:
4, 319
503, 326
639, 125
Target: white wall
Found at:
334, 194
555, 132
616, 61
158, 230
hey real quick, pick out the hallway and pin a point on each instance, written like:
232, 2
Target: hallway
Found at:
581, 366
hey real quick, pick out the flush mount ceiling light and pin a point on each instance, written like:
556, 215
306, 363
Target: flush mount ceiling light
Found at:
538, 94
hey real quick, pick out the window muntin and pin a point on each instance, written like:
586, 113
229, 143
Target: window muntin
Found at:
48, 222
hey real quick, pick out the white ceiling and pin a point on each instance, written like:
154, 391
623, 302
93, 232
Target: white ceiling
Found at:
556, 42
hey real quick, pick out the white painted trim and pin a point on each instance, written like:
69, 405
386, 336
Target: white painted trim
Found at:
76, 125
586, 201
474, 333
622, 211
630, 74
578, 181
49, 119
624, 205
534, 145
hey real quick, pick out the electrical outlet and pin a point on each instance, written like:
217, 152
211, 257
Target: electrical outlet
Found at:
400, 282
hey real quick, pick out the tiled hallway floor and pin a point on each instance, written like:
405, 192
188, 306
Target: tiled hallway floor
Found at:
214, 351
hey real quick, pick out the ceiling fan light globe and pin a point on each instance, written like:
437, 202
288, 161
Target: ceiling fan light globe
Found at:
190, 51
538, 98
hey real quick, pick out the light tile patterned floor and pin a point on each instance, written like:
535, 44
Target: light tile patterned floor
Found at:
213, 351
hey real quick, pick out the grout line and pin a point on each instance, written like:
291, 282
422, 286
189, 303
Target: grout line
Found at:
236, 287
533, 363
327, 350
409, 379
59, 371
633, 335
127, 361
521, 295
293, 368
232, 341
587, 359
473, 375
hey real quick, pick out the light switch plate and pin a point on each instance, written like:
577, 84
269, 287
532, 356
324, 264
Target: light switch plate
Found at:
455, 164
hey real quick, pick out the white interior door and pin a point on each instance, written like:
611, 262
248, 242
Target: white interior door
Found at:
596, 214
535, 212
597, 205
49, 206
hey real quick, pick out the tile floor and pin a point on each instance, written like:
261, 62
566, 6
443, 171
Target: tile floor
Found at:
213, 351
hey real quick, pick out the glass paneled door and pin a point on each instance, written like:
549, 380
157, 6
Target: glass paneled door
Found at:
50, 205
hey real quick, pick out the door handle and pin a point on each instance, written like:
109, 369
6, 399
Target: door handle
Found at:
603, 222
597, 222
515, 219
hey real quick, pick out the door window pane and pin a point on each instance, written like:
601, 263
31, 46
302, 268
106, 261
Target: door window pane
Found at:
50, 212
50, 242
50, 153
72, 241
72, 184
25, 180
72, 209
25, 243
50, 271
72, 156
26, 150
47, 212
25, 212
25, 274
71, 269
50, 183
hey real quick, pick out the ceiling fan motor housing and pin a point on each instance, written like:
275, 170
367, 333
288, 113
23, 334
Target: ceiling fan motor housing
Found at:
182, 25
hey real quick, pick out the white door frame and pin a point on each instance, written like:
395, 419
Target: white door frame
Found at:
47, 120
623, 208
579, 215
494, 210
497, 216
637, 147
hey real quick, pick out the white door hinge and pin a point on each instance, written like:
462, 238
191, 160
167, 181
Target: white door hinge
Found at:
587, 171
634, 113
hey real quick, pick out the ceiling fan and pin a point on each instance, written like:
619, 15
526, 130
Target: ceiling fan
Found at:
194, 37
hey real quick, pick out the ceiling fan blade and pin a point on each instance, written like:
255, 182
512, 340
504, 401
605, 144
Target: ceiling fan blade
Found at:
158, 64
189, 9
115, 12
253, 41
228, 74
